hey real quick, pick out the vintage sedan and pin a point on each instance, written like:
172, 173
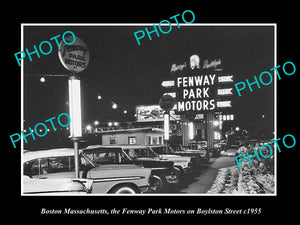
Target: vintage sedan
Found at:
108, 178
197, 156
183, 163
163, 171
63, 186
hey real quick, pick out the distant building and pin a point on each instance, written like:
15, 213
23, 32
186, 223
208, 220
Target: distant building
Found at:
135, 136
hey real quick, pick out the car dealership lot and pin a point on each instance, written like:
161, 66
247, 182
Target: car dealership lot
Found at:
204, 177
196, 182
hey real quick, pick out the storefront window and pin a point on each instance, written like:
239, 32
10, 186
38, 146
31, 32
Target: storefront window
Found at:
154, 140
148, 141
132, 140
112, 140
160, 140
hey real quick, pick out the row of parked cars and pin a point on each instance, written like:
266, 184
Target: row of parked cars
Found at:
119, 169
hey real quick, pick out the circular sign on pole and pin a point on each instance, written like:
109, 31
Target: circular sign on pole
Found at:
75, 57
166, 102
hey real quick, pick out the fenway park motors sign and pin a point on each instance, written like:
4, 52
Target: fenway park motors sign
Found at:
196, 85
75, 57
196, 93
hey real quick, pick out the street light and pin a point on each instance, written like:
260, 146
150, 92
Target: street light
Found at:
75, 107
99, 97
88, 127
42, 79
237, 128
114, 106
75, 114
96, 122
166, 126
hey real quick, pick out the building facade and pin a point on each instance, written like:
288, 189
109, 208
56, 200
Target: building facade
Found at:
136, 136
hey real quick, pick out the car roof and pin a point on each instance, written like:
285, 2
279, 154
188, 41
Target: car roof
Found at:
30, 155
115, 146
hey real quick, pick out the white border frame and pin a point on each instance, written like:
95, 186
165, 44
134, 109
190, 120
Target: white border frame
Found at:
151, 24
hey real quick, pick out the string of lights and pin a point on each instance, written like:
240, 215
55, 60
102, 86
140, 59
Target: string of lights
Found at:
99, 96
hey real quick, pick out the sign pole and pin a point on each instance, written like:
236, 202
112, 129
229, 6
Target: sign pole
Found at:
75, 114
210, 130
74, 56
167, 128
167, 102
76, 151
185, 131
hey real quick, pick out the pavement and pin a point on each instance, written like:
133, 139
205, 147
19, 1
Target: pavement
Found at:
202, 182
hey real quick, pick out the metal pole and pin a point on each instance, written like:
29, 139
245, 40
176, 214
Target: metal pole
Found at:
210, 130
76, 151
184, 127
75, 114
167, 129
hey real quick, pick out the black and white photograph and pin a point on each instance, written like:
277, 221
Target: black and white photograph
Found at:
176, 112
145, 112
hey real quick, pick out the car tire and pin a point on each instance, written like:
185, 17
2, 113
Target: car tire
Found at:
123, 190
179, 171
155, 181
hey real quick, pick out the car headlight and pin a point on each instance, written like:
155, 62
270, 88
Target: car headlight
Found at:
174, 175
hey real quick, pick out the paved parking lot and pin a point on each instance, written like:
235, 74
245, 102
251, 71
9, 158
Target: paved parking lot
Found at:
203, 178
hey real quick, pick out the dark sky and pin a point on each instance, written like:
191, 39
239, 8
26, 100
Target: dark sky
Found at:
128, 74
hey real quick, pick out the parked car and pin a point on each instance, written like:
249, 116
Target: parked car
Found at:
201, 146
200, 155
164, 174
183, 163
234, 143
65, 186
223, 145
107, 178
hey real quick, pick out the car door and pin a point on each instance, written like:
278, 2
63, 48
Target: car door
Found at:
52, 167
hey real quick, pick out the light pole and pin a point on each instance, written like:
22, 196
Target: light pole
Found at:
76, 62
166, 102
75, 114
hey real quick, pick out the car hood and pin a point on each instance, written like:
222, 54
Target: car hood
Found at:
48, 186
185, 153
175, 158
153, 162
201, 152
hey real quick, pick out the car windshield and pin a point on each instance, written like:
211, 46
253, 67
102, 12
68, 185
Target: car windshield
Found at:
134, 153
86, 161
55, 164
107, 155
171, 150
163, 150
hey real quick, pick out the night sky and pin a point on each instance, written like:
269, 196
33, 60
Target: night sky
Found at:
128, 74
